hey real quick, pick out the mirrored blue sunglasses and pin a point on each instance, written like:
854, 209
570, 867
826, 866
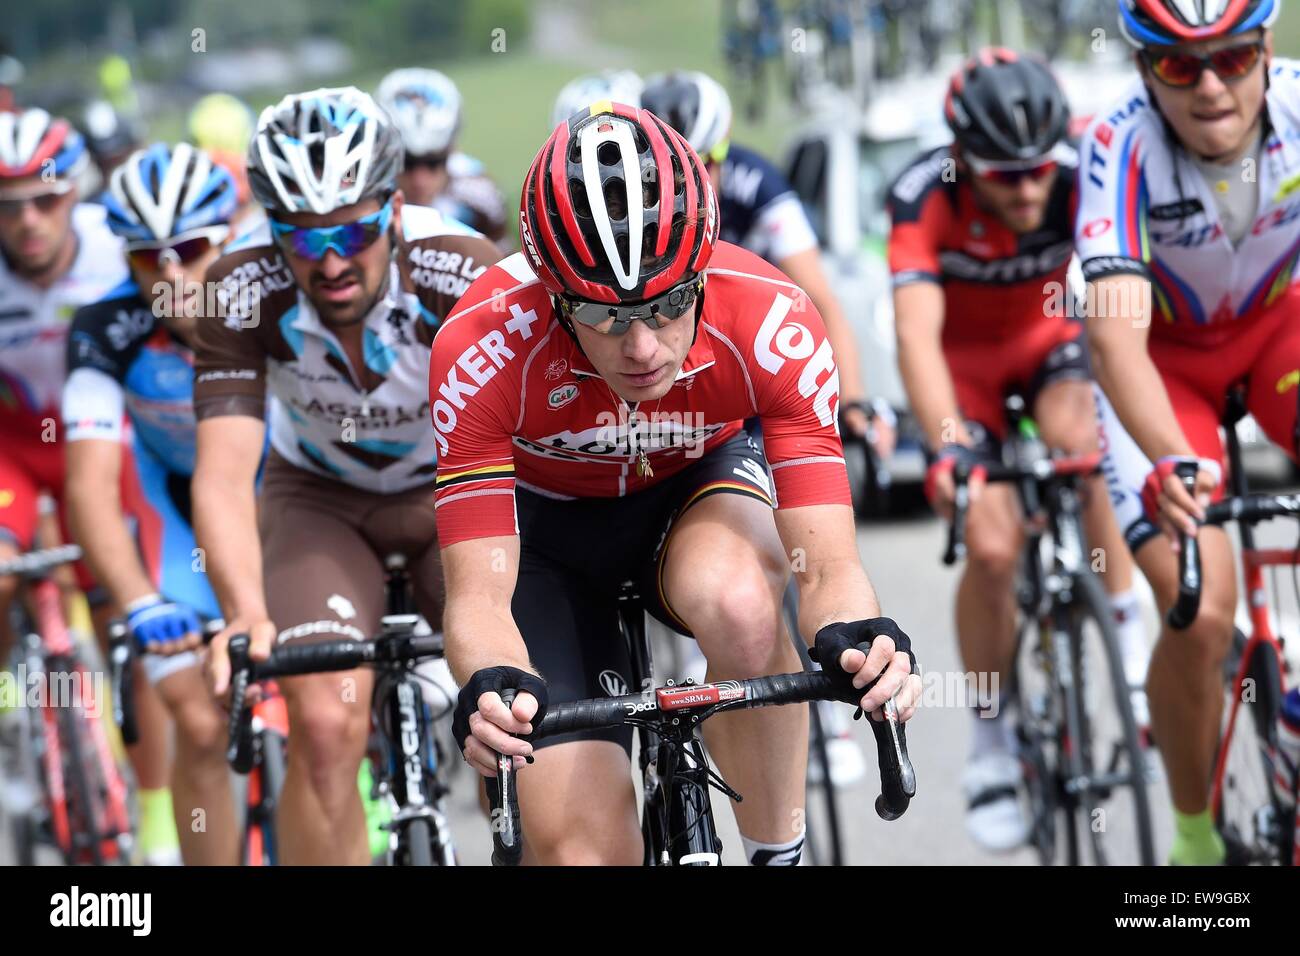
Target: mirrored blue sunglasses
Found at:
347, 239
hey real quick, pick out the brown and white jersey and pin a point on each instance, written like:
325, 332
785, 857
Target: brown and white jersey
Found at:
364, 424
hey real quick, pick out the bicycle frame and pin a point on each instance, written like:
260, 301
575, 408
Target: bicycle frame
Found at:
108, 815
1254, 560
676, 832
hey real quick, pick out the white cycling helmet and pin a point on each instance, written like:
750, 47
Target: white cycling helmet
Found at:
617, 86
694, 104
425, 107
164, 191
319, 151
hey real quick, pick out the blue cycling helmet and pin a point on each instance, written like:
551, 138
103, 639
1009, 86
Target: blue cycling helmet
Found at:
1172, 22
163, 191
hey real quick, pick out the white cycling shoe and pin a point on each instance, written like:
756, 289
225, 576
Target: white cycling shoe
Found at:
843, 752
995, 818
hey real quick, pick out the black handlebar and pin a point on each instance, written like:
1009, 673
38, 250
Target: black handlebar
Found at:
897, 776
239, 749
507, 824
296, 659
1248, 509
1032, 474
1188, 602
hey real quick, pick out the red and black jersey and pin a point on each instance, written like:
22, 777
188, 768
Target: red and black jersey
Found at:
515, 401
995, 282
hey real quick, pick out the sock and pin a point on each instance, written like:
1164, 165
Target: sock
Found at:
993, 731
1196, 842
157, 824
1132, 635
773, 854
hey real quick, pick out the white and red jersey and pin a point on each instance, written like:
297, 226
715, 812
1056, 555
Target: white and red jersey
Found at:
34, 322
515, 400
1146, 209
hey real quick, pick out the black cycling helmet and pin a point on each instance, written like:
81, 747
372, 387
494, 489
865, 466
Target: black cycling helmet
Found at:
1003, 106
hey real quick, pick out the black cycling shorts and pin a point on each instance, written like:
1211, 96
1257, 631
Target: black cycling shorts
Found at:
576, 554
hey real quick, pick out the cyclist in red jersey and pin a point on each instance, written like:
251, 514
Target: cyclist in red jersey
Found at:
588, 394
1189, 232
55, 255
980, 248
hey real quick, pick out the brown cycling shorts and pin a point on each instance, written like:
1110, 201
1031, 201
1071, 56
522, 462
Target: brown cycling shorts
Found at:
323, 550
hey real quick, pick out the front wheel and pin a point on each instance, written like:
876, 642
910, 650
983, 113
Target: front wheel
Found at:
415, 847
1105, 766
1247, 812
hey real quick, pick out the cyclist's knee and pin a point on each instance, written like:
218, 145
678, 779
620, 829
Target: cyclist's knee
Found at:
992, 556
330, 737
200, 729
581, 851
1208, 638
739, 628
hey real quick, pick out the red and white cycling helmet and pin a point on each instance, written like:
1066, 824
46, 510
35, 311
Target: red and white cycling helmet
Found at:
617, 208
33, 143
1171, 22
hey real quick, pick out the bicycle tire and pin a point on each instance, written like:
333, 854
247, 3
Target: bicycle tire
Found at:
22, 831
1257, 717
1040, 780
819, 751
415, 847
77, 785
1090, 602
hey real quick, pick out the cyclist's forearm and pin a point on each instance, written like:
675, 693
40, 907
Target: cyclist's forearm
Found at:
100, 528
821, 541
225, 525
1130, 380
930, 389
480, 633
834, 592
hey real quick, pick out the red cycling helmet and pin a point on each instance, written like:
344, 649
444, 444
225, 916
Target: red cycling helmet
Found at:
32, 142
617, 208
1171, 22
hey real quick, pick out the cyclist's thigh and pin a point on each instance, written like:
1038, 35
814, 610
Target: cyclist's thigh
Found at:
19, 508
569, 623
323, 582
1126, 466
1063, 403
722, 545
1273, 393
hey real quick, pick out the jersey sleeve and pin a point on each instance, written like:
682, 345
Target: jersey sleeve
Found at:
920, 215
440, 270
781, 230
103, 341
796, 390
229, 360
474, 400
1110, 225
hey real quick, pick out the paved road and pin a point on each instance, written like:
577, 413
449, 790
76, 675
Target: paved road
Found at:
903, 559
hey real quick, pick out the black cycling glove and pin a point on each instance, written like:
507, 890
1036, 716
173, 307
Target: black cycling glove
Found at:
834, 639
495, 679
